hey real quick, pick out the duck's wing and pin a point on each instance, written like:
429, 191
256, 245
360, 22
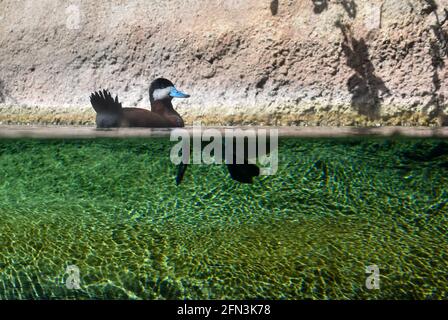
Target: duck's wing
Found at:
103, 102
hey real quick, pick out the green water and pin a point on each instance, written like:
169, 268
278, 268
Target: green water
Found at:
111, 207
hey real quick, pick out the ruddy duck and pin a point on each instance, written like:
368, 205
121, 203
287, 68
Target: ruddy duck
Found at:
111, 114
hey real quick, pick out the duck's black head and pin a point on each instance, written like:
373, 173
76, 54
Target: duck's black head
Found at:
163, 89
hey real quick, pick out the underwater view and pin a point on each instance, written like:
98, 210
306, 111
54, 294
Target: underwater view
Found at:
111, 208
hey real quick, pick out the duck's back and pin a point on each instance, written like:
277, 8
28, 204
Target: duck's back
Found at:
136, 117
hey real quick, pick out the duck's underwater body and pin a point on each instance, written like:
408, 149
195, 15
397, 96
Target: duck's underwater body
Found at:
111, 114
236, 160
243, 173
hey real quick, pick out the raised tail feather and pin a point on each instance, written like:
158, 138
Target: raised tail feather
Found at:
108, 110
103, 102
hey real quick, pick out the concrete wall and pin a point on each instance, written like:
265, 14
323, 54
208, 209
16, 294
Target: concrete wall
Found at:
315, 62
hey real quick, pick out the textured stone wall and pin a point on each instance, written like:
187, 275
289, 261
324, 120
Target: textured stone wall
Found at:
290, 62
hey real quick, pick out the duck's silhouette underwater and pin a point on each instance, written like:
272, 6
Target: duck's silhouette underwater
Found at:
111, 114
242, 172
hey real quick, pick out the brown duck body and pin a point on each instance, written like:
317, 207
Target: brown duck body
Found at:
159, 117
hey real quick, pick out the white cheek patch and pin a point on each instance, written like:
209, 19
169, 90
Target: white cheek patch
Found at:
161, 94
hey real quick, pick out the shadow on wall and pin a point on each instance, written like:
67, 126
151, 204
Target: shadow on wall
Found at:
274, 7
438, 51
2, 91
320, 6
349, 6
363, 85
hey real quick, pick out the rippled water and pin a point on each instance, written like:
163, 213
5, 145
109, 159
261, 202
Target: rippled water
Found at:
112, 208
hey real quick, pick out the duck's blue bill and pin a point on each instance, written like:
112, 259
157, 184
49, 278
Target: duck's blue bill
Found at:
177, 94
